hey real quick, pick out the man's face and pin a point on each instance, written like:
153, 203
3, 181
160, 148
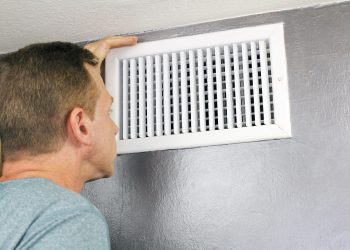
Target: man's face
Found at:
104, 129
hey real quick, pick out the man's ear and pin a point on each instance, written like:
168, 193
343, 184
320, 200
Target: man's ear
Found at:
79, 126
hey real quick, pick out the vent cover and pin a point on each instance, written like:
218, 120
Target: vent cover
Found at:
209, 89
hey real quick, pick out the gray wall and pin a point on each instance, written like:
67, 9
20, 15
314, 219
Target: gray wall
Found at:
282, 194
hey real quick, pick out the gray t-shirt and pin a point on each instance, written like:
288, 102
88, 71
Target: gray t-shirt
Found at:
35, 213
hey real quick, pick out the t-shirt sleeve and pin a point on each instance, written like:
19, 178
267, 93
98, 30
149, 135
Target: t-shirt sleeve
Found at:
69, 230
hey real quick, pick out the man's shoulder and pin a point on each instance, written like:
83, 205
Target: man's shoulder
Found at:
34, 207
39, 198
41, 191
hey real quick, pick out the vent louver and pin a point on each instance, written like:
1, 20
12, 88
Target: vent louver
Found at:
209, 89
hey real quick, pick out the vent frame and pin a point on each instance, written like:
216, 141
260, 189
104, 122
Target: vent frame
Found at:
281, 127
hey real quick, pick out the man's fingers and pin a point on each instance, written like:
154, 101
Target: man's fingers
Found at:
100, 48
120, 41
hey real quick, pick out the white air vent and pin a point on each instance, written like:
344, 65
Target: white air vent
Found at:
208, 89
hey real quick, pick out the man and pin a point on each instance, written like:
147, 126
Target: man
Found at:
56, 134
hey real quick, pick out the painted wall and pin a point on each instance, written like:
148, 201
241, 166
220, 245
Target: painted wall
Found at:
282, 194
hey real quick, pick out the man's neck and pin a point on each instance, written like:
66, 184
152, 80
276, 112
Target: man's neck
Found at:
64, 173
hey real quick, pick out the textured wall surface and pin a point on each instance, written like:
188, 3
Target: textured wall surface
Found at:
282, 194
24, 22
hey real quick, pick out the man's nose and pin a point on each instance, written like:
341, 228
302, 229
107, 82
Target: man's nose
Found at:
116, 129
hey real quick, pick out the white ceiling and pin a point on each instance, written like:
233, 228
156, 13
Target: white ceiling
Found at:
23, 22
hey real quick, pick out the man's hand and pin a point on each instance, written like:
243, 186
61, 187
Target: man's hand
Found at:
101, 47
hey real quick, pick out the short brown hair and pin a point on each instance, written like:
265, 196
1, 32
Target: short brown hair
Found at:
39, 86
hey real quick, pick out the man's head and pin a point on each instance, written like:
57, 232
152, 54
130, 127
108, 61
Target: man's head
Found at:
39, 87
54, 113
